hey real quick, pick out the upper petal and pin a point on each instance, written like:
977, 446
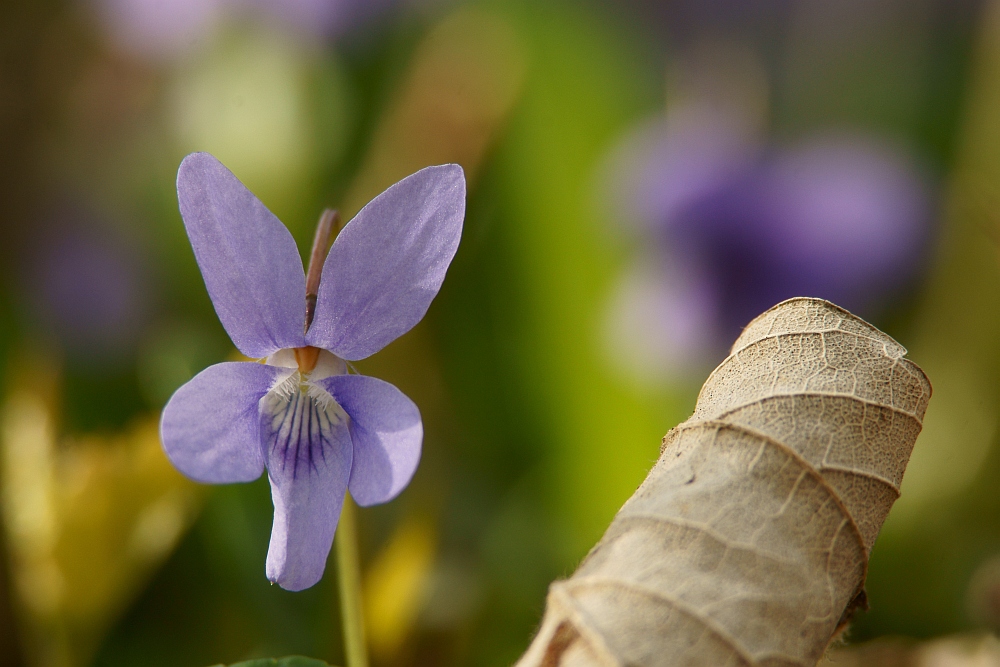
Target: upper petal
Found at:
251, 266
210, 426
387, 434
308, 452
388, 263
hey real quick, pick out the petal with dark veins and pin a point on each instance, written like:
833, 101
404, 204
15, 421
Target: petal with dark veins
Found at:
308, 452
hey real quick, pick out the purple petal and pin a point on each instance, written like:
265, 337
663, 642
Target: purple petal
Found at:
251, 267
210, 426
308, 451
387, 432
388, 263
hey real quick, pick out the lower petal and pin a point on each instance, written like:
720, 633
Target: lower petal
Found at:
210, 426
308, 453
387, 433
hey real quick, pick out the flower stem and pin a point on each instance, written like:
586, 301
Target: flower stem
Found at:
327, 228
349, 583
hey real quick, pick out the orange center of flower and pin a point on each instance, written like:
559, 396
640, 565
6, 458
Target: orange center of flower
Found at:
306, 358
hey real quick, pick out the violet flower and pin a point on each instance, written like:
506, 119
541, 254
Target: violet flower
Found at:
315, 428
839, 216
732, 226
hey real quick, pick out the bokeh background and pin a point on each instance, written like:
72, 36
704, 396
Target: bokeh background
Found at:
645, 177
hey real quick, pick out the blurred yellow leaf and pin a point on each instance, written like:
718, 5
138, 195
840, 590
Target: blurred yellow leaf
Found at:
395, 586
87, 519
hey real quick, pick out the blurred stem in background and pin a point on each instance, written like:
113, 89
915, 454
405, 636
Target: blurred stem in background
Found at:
929, 539
586, 84
349, 585
958, 325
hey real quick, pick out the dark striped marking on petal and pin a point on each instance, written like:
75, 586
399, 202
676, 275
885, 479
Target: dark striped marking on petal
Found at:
301, 423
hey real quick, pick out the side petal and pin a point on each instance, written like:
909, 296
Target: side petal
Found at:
308, 453
387, 433
210, 427
248, 259
388, 263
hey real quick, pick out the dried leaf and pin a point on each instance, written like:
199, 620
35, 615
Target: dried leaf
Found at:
748, 542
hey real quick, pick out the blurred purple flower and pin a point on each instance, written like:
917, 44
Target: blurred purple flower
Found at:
842, 217
316, 429
163, 29
86, 286
155, 28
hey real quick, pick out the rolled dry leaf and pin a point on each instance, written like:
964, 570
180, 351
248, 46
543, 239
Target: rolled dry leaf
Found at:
748, 542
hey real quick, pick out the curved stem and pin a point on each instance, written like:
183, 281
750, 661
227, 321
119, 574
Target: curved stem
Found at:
327, 228
349, 583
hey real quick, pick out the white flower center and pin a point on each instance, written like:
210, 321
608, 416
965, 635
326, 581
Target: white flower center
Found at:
300, 420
